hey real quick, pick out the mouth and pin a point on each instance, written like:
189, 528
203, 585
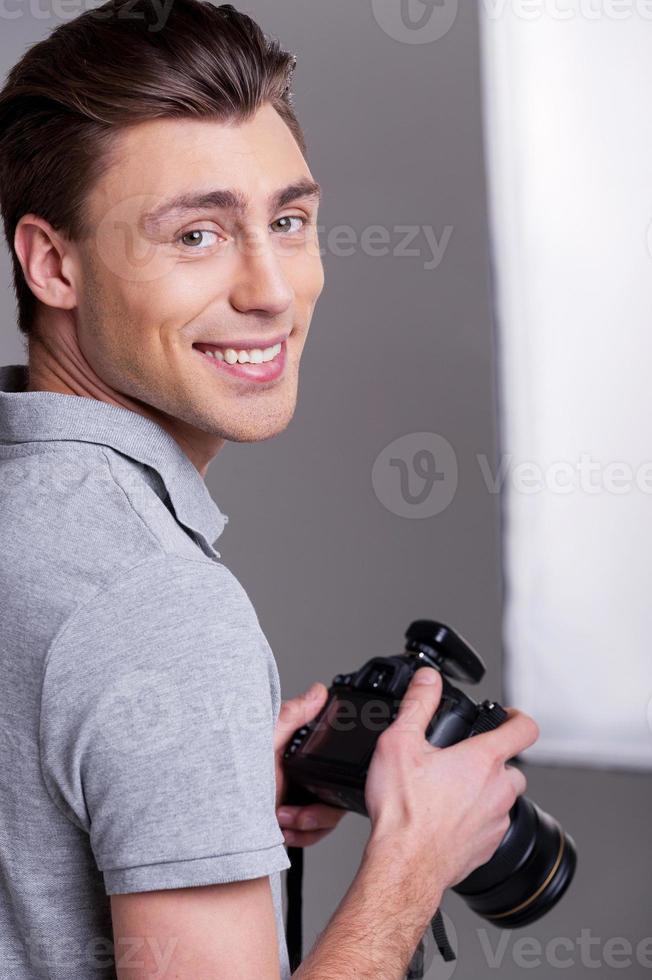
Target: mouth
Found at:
249, 360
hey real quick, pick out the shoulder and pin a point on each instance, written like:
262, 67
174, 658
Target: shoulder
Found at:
166, 628
167, 664
74, 520
163, 602
68, 517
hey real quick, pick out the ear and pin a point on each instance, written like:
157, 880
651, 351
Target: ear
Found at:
47, 262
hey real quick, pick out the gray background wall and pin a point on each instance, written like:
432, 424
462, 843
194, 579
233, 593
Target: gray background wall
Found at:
395, 138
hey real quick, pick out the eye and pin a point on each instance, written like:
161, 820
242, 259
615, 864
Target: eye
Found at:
291, 217
195, 235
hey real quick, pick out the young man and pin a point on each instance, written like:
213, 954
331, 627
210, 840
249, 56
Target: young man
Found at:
162, 221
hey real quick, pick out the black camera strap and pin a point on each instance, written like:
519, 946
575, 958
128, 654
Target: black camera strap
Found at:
416, 967
294, 930
293, 921
439, 935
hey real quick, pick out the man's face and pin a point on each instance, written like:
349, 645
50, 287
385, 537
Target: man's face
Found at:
159, 288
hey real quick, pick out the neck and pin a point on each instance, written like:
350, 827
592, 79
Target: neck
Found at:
65, 374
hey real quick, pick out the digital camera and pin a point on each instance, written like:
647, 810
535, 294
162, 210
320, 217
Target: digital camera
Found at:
328, 760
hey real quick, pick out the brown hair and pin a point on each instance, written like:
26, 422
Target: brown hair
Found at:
110, 68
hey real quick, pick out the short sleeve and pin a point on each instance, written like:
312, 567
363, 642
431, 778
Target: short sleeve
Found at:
157, 724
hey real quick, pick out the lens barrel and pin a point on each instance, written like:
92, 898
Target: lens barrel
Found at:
528, 874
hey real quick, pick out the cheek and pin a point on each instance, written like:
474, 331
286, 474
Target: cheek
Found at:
191, 289
307, 277
155, 311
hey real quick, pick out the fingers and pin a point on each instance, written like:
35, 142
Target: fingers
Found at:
300, 710
419, 703
304, 838
517, 779
315, 816
513, 736
303, 826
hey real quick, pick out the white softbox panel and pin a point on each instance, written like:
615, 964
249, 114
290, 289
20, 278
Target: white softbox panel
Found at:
568, 132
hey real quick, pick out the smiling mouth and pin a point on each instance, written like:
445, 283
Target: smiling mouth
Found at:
262, 365
240, 355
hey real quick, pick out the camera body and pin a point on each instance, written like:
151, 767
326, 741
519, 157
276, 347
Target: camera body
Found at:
329, 757
327, 760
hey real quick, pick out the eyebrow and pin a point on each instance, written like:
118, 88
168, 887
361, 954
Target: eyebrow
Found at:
226, 200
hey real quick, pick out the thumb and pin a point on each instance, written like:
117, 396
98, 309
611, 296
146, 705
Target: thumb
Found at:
300, 710
420, 701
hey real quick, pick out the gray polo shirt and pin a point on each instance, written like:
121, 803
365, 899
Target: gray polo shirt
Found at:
138, 693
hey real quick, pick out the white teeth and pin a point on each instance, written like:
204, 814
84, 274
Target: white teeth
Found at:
255, 356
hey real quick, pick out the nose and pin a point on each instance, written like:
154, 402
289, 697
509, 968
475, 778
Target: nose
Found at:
260, 284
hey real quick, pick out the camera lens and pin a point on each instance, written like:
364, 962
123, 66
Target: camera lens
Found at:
528, 874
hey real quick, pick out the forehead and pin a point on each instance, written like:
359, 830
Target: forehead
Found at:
158, 159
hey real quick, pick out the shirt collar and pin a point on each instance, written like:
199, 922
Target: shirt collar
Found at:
43, 416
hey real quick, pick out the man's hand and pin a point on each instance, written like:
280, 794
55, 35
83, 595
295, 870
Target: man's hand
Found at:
301, 825
447, 809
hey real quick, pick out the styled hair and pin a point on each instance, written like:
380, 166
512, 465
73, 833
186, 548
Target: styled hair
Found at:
110, 68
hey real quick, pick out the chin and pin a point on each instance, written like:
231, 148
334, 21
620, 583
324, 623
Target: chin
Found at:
252, 430
252, 436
